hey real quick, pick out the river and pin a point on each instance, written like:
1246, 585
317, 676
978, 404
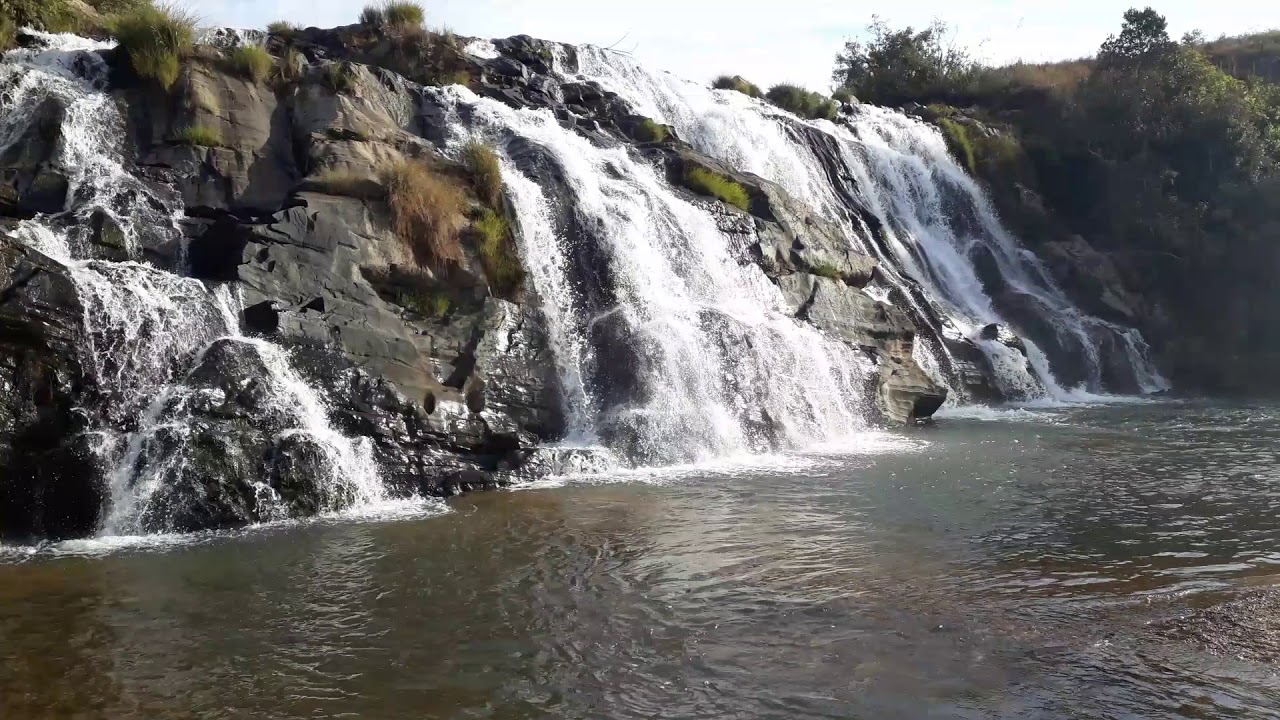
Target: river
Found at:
1116, 561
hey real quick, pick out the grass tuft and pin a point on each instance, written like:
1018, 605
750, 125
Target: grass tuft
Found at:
348, 184
394, 14
340, 77
485, 171
284, 28
718, 186
650, 131
826, 270
198, 136
498, 253
802, 102
250, 62
155, 38
738, 83
426, 212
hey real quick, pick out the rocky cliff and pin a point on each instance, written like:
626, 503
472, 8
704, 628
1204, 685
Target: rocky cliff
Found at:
452, 392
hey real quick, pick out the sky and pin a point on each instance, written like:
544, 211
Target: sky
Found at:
779, 41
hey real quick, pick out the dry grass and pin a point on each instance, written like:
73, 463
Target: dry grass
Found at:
348, 184
427, 212
198, 136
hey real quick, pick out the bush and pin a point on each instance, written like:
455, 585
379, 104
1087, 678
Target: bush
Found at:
340, 77
395, 14
843, 95
650, 131
802, 102
283, 28
497, 252
198, 135
47, 15
250, 62
485, 171
738, 83
899, 65
710, 183
154, 39
426, 212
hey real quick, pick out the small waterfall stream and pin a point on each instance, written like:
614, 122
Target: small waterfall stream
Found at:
935, 219
148, 327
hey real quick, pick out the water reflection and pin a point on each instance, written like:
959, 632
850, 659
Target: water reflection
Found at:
1111, 563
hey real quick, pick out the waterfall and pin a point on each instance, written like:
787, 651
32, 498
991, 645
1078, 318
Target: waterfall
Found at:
674, 346
149, 328
936, 223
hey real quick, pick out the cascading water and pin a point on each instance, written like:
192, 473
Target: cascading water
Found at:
935, 220
674, 349
144, 323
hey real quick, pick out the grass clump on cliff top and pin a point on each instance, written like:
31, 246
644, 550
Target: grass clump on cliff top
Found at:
718, 186
250, 62
154, 39
805, 103
738, 83
198, 136
485, 171
427, 212
393, 14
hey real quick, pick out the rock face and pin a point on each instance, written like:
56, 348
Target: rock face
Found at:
447, 386
50, 486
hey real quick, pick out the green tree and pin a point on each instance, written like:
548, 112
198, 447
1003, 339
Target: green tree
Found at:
894, 66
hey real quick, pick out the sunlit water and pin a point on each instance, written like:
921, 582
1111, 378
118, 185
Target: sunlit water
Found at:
1082, 562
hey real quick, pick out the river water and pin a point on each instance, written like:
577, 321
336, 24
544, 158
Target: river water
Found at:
1117, 561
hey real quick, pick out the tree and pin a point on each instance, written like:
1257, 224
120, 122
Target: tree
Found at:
894, 66
1143, 40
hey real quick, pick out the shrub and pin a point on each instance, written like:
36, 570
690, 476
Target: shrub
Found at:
284, 28
650, 131
340, 77
802, 102
826, 270
198, 135
843, 95
426, 212
47, 15
893, 66
497, 252
251, 62
154, 38
485, 171
738, 83
716, 185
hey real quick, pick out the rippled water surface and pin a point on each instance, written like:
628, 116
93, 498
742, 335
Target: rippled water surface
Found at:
1095, 562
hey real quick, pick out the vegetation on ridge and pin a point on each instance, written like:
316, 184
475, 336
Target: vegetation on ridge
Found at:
427, 209
393, 14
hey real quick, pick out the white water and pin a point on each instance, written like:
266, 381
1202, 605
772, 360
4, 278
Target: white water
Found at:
145, 324
934, 214
721, 368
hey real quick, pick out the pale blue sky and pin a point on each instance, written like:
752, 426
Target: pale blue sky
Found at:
768, 42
